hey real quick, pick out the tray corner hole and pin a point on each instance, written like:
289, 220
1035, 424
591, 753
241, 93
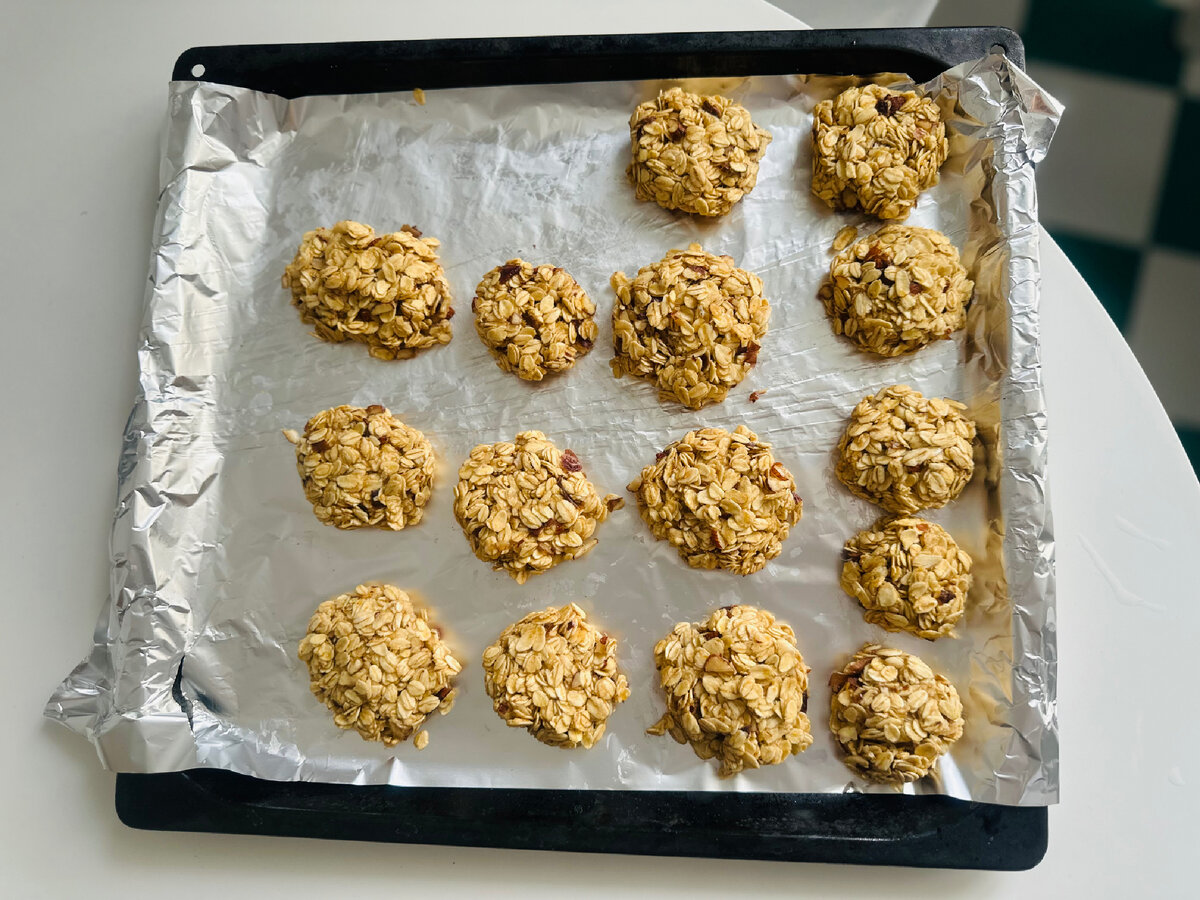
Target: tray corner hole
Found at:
198, 70
995, 48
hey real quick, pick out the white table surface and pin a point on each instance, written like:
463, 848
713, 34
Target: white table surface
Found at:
83, 104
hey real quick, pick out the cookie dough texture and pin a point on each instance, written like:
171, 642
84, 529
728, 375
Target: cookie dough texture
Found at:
535, 320
694, 154
377, 663
720, 499
555, 674
387, 291
736, 689
909, 575
363, 467
892, 716
525, 506
692, 324
897, 290
876, 150
906, 452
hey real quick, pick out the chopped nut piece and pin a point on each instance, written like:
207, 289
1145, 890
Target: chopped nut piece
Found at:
754, 395
690, 323
364, 467
695, 154
534, 320
523, 509
876, 150
736, 689
374, 660
874, 301
909, 575
556, 675
905, 452
419, 96
388, 291
892, 715
720, 499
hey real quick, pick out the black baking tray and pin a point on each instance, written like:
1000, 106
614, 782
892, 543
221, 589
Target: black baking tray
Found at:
926, 830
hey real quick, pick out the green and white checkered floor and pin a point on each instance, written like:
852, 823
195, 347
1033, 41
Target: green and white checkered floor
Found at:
1123, 173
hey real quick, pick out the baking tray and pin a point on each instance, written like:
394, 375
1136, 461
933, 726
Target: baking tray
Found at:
927, 831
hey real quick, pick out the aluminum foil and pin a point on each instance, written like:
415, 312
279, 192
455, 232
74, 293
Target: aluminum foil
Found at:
218, 561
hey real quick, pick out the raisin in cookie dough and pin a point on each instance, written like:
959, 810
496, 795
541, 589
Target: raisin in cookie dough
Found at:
692, 324
906, 452
892, 716
694, 154
876, 150
534, 320
720, 499
387, 291
363, 467
736, 689
377, 663
897, 290
555, 674
525, 506
909, 575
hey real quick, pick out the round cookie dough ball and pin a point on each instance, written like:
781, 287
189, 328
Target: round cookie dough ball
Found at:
363, 467
535, 320
691, 323
377, 663
525, 506
905, 452
897, 290
720, 499
695, 154
555, 674
876, 150
387, 291
909, 575
736, 689
892, 716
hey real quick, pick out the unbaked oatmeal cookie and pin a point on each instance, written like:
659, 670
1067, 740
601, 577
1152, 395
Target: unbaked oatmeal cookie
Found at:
736, 689
363, 467
909, 575
695, 154
720, 499
525, 506
892, 716
875, 149
387, 291
377, 663
691, 323
897, 290
906, 452
535, 320
555, 674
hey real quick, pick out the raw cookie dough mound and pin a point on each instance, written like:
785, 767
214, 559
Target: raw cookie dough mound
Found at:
721, 499
525, 505
736, 689
535, 320
897, 290
691, 323
909, 575
555, 674
377, 663
905, 452
387, 291
363, 467
695, 154
892, 715
876, 150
